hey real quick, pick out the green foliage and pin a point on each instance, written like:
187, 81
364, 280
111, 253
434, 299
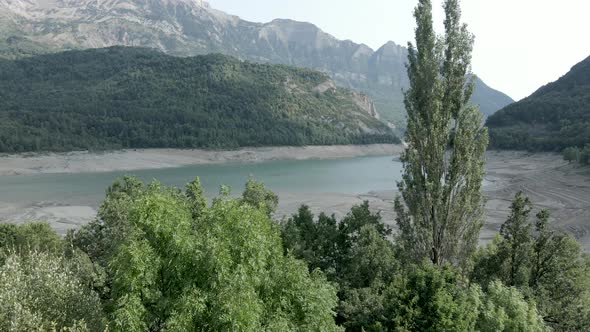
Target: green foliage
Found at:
42, 272
574, 154
40, 292
354, 252
196, 198
139, 98
332, 246
370, 268
317, 243
175, 263
553, 118
30, 237
440, 212
258, 196
585, 155
505, 309
158, 258
516, 233
367, 265
548, 266
377, 293
100, 239
432, 299
571, 154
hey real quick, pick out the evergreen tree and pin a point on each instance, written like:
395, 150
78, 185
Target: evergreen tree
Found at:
516, 232
546, 265
441, 213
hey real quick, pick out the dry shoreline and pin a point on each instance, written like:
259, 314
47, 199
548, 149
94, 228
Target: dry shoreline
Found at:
127, 160
549, 181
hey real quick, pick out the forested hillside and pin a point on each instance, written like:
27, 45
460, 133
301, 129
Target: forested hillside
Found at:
138, 98
189, 27
554, 117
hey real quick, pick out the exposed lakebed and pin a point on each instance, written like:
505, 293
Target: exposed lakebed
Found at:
69, 199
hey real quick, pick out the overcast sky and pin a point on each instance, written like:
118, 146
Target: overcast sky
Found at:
520, 44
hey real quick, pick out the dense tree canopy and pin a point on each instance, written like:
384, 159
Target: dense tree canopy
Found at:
39, 292
555, 117
547, 265
160, 258
46, 284
139, 98
175, 263
378, 291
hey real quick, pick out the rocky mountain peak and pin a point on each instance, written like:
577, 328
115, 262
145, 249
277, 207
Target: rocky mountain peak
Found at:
288, 31
62, 11
192, 27
392, 49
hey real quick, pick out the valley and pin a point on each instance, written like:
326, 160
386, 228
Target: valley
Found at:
69, 189
188, 28
167, 166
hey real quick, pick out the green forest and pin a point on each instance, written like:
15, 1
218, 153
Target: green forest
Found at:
139, 98
160, 258
555, 117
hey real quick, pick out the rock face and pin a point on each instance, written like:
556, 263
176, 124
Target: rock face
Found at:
366, 104
192, 27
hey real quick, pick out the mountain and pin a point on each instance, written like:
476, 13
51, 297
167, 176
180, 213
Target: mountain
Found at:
488, 99
192, 27
122, 97
554, 117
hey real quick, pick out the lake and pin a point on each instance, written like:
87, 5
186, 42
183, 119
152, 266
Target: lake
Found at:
346, 176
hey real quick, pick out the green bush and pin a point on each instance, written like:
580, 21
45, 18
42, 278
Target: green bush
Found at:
39, 292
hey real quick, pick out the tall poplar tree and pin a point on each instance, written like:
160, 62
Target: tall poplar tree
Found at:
441, 210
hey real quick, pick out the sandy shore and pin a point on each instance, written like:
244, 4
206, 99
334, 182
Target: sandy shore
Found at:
549, 181
126, 160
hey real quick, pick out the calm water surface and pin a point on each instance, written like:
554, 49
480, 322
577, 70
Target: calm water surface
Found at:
353, 175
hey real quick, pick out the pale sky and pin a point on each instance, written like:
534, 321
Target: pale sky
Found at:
520, 45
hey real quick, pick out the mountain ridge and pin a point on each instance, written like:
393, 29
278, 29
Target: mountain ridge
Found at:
186, 28
554, 117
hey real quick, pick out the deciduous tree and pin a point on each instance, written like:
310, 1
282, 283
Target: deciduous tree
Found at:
441, 210
546, 265
176, 264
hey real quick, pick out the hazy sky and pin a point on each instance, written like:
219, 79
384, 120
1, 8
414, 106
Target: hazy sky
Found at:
520, 44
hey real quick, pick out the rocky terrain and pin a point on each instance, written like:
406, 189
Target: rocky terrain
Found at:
191, 27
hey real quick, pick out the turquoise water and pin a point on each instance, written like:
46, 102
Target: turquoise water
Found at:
351, 176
